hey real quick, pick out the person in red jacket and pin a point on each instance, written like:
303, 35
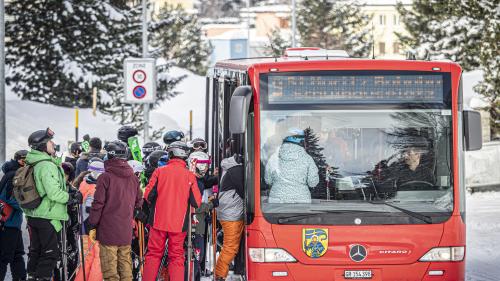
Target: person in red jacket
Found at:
117, 193
176, 190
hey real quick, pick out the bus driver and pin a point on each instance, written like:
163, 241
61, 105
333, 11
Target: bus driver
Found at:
291, 171
413, 170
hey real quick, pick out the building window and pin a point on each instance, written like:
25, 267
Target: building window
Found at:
284, 23
395, 47
381, 48
381, 19
395, 20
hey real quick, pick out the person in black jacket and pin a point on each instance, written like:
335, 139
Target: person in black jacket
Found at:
95, 151
75, 150
11, 238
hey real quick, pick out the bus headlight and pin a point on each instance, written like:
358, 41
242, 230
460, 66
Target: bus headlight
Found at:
445, 254
270, 255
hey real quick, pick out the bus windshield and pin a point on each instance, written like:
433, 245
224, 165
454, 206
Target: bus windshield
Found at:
355, 166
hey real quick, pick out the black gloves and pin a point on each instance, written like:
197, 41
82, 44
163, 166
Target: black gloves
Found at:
140, 215
75, 198
215, 202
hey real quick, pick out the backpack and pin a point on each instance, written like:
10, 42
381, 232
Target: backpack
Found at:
5, 208
25, 187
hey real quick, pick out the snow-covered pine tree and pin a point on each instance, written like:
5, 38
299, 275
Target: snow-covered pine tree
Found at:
442, 30
316, 152
178, 38
334, 25
489, 88
57, 50
277, 43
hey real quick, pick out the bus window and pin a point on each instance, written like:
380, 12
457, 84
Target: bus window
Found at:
360, 157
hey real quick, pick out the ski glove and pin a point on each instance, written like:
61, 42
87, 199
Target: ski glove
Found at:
140, 216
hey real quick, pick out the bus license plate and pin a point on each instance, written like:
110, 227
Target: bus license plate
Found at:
358, 274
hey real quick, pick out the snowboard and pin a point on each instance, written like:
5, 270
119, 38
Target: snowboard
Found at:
85, 146
135, 149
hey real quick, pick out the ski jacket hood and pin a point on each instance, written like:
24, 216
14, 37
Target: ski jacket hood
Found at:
9, 169
10, 166
291, 172
117, 194
118, 167
51, 185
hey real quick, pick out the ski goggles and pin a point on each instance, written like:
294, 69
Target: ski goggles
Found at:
200, 145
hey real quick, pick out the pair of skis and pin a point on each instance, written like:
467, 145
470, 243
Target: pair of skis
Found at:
135, 149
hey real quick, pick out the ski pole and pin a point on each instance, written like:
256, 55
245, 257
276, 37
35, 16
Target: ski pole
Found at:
82, 230
163, 260
214, 240
190, 244
141, 247
65, 252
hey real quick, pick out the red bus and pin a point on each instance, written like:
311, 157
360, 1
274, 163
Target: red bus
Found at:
354, 167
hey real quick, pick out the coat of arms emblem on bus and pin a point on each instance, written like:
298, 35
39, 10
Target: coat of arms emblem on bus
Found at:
314, 242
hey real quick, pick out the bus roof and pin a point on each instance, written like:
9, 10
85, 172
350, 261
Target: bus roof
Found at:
333, 63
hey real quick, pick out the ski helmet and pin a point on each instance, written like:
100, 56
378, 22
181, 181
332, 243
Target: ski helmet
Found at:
198, 144
96, 167
149, 147
126, 132
21, 154
154, 157
178, 149
295, 136
201, 160
38, 139
75, 148
116, 149
172, 136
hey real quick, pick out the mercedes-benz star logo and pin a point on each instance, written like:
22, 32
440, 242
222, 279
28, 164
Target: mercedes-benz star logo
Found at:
358, 253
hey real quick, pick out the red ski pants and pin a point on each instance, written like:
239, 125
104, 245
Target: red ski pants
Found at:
156, 248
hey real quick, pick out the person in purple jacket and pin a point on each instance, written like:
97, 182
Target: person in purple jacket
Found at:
117, 194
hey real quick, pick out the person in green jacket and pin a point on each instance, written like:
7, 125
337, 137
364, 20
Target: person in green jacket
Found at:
45, 221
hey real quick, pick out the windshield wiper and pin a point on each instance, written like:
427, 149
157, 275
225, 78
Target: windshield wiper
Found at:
318, 212
412, 214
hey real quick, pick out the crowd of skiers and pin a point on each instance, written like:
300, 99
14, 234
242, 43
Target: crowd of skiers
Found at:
116, 211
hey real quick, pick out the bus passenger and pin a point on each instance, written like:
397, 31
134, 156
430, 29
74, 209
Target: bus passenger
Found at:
413, 170
291, 171
230, 212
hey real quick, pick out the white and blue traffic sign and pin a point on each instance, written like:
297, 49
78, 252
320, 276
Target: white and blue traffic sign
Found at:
140, 80
139, 92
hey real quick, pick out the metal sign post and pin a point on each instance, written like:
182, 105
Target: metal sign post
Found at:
2, 83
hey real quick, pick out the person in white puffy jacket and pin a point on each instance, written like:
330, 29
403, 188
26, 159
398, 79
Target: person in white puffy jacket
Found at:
291, 172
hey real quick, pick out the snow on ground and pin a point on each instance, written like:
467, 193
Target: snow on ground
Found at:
483, 237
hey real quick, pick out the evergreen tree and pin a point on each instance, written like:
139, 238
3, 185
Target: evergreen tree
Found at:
334, 25
177, 37
442, 30
57, 50
489, 55
466, 32
316, 152
277, 43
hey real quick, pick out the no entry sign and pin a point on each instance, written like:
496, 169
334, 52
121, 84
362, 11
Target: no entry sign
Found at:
140, 80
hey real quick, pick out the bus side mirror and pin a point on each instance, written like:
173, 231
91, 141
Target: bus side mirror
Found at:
238, 109
472, 130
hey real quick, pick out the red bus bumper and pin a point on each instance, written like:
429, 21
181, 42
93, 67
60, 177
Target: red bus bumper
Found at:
452, 271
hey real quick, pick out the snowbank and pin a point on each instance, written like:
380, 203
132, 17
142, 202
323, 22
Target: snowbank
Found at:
24, 117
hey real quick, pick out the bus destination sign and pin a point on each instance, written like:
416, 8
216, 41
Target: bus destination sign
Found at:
286, 89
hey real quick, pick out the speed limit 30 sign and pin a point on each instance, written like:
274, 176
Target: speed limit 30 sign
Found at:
140, 80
